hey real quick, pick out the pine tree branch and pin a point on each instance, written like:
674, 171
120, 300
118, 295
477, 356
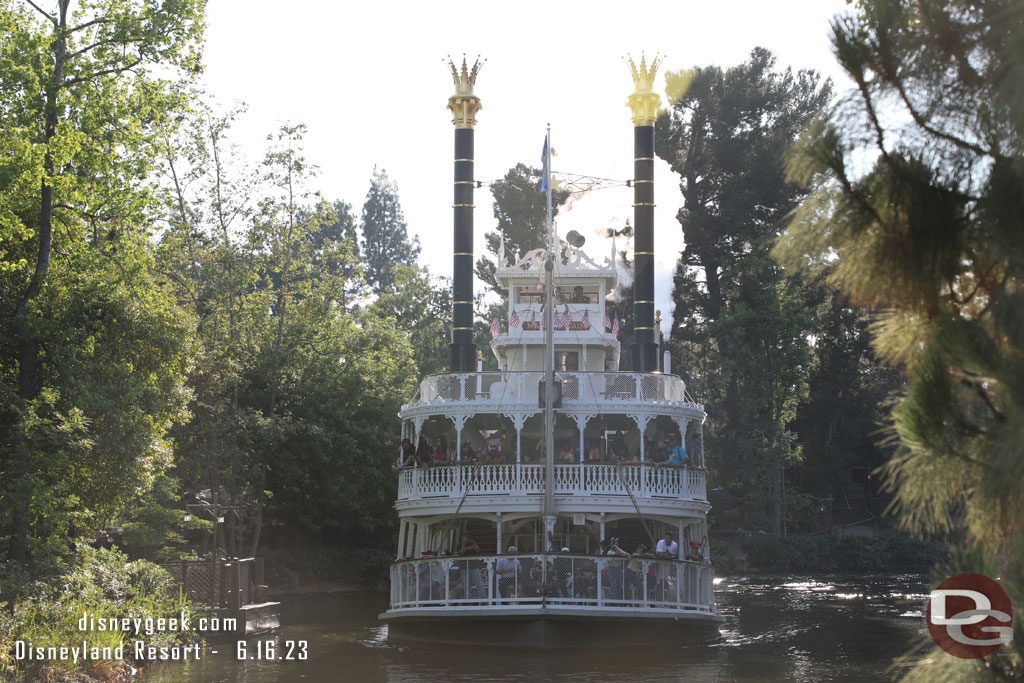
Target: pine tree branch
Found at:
920, 120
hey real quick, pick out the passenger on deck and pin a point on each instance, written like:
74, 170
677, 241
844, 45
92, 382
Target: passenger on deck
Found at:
695, 450
695, 554
423, 451
617, 447
667, 549
441, 451
563, 575
467, 455
471, 579
659, 454
495, 450
677, 455
508, 569
613, 568
406, 454
635, 573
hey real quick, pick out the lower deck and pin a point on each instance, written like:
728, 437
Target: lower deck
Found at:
631, 586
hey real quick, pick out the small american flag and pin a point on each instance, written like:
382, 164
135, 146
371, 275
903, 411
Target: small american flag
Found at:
567, 319
586, 320
533, 317
495, 327
607, 321
615, 326
514, 320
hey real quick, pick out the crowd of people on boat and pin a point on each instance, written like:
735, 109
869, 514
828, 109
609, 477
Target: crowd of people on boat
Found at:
665, 450
567, 575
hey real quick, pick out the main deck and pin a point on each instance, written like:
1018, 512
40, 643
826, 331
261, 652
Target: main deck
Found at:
577, 487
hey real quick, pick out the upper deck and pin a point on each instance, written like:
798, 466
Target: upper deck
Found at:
614, 392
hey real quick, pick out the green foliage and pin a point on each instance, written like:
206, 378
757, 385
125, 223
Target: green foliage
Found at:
104, 584
741, 326
91, 355
295, 390
919, 178
386, 243
838, 552
155, 524
724, 559
421, 306
324, 567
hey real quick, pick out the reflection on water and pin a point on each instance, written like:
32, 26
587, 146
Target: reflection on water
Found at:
778, 628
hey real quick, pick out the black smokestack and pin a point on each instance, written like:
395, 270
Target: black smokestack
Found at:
644, 104
645, 347
464, 105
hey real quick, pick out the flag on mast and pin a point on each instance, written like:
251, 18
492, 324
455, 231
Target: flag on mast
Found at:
615, 326
607, 321
586, 320
545, 165
515, 319
495, 327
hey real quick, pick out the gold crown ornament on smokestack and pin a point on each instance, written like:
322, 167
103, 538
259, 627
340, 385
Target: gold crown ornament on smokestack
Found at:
644, 101
464, 104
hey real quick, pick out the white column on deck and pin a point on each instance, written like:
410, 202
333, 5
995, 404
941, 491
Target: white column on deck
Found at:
501, 550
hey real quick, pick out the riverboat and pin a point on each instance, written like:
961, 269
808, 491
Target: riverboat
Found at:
553, 453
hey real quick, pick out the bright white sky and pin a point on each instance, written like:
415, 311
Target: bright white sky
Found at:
369, 81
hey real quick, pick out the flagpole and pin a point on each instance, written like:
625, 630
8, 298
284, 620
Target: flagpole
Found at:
549, 362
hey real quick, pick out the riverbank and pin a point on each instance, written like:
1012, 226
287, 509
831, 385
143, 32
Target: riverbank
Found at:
89, 618
889, 552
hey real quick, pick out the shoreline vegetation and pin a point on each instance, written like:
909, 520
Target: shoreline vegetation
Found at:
828, 553
47, 610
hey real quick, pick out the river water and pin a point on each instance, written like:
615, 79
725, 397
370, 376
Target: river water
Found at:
840, 628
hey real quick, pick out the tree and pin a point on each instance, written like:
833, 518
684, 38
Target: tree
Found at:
293, 393
420, 306
386, 241
80, 109
919, 201
521, 210
328, 240
725, 135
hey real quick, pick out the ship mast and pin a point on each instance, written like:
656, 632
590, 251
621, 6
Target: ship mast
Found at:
549, 362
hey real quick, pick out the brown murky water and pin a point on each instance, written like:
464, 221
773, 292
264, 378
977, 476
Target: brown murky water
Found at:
778, 629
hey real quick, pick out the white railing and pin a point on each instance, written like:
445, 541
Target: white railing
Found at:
510, 388
643, 481
552, 579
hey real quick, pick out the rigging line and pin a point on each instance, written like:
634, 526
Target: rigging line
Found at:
600, 413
